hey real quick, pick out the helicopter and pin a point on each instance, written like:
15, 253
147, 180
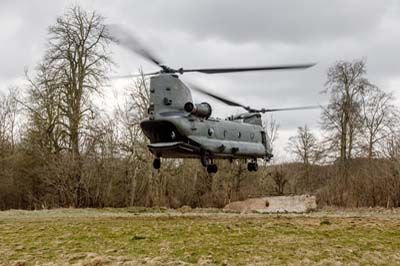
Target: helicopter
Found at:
177, 127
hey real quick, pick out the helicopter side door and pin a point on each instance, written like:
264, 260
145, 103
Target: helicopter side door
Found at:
264, 139
266, 142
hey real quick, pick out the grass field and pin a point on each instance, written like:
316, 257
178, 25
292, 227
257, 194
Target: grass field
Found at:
205, 237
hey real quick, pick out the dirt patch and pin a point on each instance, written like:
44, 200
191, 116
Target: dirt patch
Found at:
278, 204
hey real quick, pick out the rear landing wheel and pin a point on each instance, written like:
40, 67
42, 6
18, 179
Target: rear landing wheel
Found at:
157, 163
215, 168
212, 168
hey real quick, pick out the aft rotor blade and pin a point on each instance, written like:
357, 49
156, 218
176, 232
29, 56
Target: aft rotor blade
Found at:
246, 69
132, 43
217, 97
248, 108
288, 109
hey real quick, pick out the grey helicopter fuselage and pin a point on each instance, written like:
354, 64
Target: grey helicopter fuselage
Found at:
178, 128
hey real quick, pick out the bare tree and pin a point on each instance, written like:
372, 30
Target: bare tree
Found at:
307, 149
278, 174
379, 118
9, 109
10, 122
141, 178
45, 110
305, 146
391, 146
78, 58
346, 84
271, 129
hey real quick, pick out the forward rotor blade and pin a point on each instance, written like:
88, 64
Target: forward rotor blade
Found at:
130, 42
217, 97
134, 75
246, 69
288, 109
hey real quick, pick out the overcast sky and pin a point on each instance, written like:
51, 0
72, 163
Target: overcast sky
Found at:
222, 33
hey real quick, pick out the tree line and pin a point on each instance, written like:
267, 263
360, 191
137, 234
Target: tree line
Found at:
59, 149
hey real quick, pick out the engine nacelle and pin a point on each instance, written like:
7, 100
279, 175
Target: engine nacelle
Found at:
201, 110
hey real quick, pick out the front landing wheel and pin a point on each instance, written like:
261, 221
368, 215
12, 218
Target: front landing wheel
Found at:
212, 168
157, 163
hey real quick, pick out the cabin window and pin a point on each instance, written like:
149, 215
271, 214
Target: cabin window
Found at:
224, 133
210, 132
239, 134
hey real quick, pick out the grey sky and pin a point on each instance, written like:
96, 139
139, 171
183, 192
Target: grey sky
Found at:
211, 33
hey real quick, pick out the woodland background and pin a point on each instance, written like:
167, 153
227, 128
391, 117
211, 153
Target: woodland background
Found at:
57, 149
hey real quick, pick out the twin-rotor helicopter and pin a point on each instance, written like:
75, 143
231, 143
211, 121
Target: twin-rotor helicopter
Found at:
177, 127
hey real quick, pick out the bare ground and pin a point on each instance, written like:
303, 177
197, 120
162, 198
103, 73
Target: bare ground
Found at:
202, 237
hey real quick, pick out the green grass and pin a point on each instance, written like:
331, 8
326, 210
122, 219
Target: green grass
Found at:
159, 236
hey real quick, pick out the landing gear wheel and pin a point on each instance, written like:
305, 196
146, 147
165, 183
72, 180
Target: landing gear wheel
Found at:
209, 169
212, 168
157, 163
255, 167
252, 167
